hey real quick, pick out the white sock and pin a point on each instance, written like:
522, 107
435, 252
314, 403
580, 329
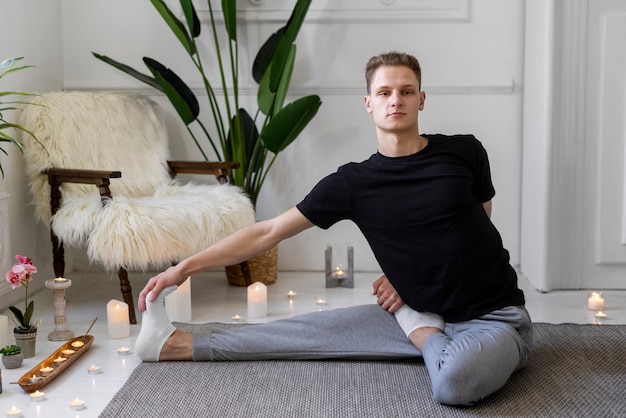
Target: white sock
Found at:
156, 327
409, 319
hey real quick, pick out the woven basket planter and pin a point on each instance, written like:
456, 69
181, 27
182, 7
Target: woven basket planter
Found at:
264, 269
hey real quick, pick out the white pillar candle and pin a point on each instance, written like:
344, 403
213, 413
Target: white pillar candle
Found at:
178, 303
257, 300
4, 331
118, 323
595, 301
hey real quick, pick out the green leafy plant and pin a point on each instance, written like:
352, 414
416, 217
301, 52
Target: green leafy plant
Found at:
6, 67
254, 142
10, 350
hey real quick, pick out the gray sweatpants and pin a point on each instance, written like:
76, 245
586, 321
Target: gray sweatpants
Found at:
469, 361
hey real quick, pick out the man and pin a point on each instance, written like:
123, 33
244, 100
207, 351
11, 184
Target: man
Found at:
423, 202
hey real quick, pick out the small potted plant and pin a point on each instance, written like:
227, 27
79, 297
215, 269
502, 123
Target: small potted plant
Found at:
12, 356
25, 332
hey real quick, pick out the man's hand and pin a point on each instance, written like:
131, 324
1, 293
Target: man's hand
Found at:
157, 283
388, 298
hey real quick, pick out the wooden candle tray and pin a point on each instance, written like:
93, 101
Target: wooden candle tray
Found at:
30, 384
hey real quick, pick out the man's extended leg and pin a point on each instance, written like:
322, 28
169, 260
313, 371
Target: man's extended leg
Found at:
359, 332
473, 359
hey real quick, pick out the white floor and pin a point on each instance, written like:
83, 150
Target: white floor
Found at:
213, 300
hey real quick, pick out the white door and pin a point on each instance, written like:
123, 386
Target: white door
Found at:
604, 222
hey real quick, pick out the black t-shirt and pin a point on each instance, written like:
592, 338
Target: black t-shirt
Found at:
423, 217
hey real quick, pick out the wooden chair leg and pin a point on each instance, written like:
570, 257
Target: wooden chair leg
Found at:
58, 255
127, 294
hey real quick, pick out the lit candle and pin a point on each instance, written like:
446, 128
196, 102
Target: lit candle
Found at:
117, 319
34, 379
93, 369
77, 404
600, 315
595, 302
37, 396
320, 301
339, 273
123, 351
61, 280
178, 303
257, 300
59, 360
236, 318
14, 412
67, 352
77, 344
45, 371
292, 294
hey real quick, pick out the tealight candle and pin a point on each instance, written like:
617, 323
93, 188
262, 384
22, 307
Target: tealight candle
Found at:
291, 294
320, 301
600, 315
61, 280
67, 352
14, 412
93, 369
59, 360
77, 344
595, 301
236, 318
34, 379
123, 351
77, 404
45, 371
37, 396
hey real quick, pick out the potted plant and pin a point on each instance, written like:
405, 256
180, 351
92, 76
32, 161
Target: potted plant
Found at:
253, 142
6, 67
25, 333
12, 357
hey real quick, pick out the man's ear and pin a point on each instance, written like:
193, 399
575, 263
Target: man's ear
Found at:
368, 104
422, 100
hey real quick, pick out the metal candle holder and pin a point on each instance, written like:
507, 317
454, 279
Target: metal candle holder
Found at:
58, 286
340, 271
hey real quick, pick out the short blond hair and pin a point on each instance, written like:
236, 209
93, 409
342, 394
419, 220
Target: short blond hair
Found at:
392, 58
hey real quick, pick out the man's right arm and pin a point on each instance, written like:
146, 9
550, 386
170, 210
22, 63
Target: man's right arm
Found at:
232, 250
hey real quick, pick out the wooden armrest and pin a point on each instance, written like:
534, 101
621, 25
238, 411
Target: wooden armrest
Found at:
99, 178
68, 175
219, 169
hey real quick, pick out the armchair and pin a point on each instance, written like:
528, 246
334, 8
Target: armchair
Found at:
104, 181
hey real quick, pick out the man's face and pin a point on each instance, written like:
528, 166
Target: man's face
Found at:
395, 99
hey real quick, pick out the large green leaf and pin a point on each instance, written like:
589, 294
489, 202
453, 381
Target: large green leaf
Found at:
191, 17
282, 50
285, 127
178, 93
175, 25
229, 9
250, 138
270, 102
144, 78
265, 54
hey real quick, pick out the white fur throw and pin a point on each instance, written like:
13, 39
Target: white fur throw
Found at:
152, 220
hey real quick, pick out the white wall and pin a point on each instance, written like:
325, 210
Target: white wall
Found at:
472, 57
472, 63
31, 29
